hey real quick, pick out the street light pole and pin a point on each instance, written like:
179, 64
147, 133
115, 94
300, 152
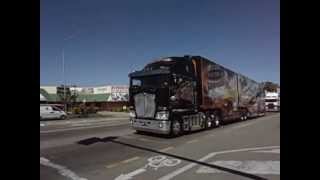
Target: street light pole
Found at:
64, 83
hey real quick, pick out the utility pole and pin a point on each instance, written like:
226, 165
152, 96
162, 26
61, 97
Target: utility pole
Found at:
64, 82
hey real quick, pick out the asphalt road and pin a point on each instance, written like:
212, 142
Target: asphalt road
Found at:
241, 150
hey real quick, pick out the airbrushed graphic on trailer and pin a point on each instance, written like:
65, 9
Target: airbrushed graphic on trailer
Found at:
228, 90
251, 95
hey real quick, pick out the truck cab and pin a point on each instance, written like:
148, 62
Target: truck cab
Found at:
159, 91
272, 101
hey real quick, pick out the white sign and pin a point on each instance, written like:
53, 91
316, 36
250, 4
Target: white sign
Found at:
119, 89
102, 90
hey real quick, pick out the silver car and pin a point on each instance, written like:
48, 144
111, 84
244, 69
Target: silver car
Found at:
51, 112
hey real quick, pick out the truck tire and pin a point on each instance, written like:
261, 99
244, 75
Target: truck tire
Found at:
138, 132
209, 121
217, 119
176, 129
244, 115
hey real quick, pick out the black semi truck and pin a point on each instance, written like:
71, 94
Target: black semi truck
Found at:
177, 95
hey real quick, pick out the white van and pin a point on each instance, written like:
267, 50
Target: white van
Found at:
51, 112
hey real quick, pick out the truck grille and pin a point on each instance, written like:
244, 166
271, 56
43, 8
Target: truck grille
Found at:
270, 106
145, 105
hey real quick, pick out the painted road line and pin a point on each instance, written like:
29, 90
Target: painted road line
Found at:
210, 155
192, 141
61, 169
130, 175
276, 151
149, 140
113, 165
122, 162
251, 167
154, 163
166, 149
130, 160
241, 126
79, 128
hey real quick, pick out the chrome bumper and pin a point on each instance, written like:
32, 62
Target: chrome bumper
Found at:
151, 125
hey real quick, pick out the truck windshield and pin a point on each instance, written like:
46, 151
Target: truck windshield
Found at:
150, 81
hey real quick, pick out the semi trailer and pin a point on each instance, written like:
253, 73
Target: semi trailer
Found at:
177, 95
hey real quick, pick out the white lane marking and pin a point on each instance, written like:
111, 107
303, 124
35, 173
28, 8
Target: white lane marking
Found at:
130, 175
112, 165
276, 151
79, 128
245, 125
42, 124
131, 159
61, 169
252, 167
154, 163
192, 141
166, 149
191, 165
153, 141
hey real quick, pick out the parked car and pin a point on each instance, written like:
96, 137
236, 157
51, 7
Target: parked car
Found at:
51, 112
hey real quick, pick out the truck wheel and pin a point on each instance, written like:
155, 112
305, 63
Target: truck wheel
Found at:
217, 120
176, 129
209, 122
243, 117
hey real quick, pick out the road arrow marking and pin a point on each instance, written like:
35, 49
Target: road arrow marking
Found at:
252, 167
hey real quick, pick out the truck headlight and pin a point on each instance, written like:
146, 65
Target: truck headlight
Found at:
162, 115
132, 114
173, 98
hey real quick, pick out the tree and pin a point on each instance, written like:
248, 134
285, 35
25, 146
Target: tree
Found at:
66, 95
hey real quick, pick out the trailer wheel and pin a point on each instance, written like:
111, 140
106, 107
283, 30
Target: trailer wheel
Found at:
244, 116
176, 128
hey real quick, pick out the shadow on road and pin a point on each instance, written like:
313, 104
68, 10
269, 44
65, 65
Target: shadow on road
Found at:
112, 139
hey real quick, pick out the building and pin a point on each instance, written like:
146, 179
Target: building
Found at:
109, 97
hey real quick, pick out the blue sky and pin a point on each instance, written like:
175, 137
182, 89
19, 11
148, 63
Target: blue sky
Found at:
104, 40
